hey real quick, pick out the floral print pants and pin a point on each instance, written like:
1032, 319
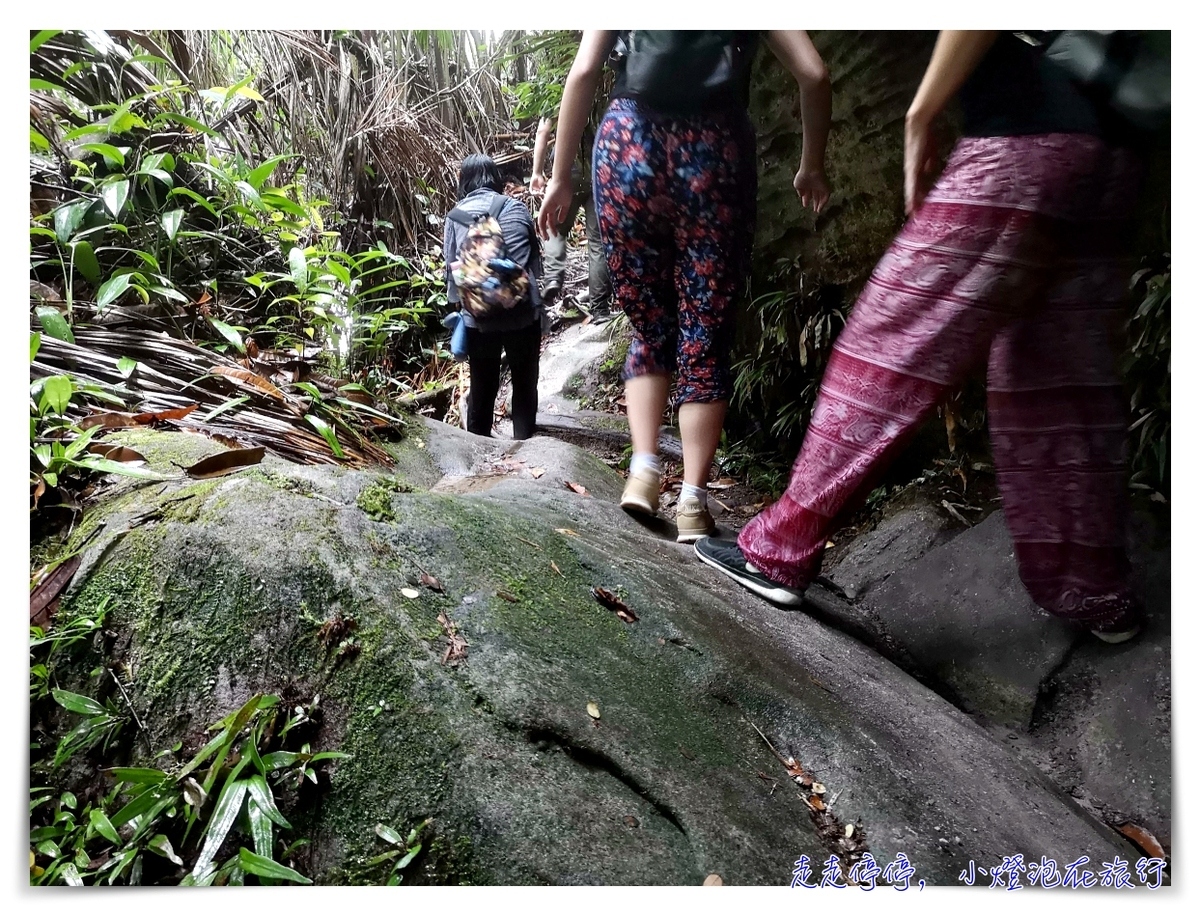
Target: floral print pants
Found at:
675, 200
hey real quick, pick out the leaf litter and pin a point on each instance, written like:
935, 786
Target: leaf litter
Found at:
614, 603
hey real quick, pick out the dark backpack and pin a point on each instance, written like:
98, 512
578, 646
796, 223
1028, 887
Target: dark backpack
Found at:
489, 282
684, 72
1129, 72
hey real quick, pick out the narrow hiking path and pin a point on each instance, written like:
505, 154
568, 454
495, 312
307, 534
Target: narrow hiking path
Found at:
928, 579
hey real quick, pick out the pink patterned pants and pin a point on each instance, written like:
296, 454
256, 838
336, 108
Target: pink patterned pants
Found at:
1014, 258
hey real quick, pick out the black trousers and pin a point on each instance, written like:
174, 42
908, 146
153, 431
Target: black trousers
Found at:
523, 347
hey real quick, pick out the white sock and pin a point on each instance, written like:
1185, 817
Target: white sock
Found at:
699, 493
643, 461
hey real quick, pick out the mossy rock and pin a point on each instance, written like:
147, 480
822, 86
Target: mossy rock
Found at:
219, 588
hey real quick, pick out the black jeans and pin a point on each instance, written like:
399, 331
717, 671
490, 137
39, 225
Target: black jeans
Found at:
523, 347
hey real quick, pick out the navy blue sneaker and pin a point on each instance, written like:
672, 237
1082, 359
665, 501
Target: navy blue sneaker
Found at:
725, 556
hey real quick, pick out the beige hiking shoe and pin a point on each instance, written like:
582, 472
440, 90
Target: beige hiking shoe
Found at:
693, 521
641, 492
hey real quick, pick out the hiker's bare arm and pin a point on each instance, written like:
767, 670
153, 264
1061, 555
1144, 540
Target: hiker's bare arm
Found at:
796, 51
579, 92
955, 57
541, 143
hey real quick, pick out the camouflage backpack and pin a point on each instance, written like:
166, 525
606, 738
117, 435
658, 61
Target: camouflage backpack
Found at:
488, 280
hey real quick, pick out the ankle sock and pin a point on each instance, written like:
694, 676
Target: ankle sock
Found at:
643, 461
699, 493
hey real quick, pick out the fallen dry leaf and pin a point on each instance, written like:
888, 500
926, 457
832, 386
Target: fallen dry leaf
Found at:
555, 567
336, 628
815, 802
115, 452
614, 603
1143, 838
511, 598
456, 650
632, 822
849, 830
686, 753
713, 880
254, 380
431, 583
410, 593
575, 487
818, 788
225, 462
143, 419
567, 531
593, 709
537, 471
723, 483
44, 597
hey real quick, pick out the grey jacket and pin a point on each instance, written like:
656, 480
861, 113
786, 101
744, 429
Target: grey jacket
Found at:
517, 226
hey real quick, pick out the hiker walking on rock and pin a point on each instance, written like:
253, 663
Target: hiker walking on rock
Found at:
1014, 256
599, 295
675, 184
487, 232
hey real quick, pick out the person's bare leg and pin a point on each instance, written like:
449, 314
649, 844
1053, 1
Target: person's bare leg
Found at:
645, 401
700, 428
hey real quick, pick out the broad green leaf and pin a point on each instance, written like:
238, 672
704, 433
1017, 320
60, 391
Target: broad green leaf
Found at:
225, 814
229, 334
158, 173
328, 432
261, 793
186, 121
42, 85
259, 175
247, 92
114, 194
68, 800
125, 366
54, 324
281, 759
388, 834
38, 140
111, 154
298, 265
261, 830
262, 866
137, 775
73, 702
56, 395
35, 343
112, 289
68, 217
194, 197
41, 38
168, 293
85, 131
103, 465
170, 223
250, 193
102, 825
407, 859
161, 845
85, 262
139, 806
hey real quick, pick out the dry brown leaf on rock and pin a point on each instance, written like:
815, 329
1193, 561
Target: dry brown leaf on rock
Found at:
576, 487
1143, 838
593, 709
114, 452
537, 471
44, 598
431, 583
225, 462
614, 603
566, 531
249, 378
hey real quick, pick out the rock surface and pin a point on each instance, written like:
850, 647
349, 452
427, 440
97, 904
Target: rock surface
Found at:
222, 592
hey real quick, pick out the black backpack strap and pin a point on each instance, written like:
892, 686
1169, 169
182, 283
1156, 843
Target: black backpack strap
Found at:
462, 217
499, 202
